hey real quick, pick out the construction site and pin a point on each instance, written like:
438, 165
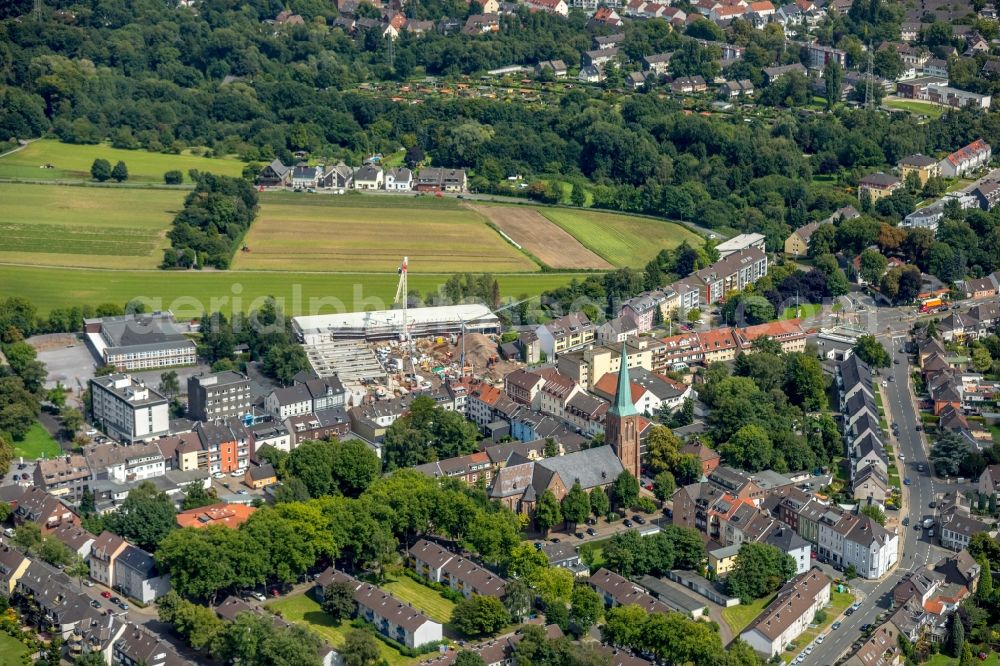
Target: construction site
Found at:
393, 352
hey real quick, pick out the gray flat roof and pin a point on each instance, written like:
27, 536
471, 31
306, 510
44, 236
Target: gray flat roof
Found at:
670, 595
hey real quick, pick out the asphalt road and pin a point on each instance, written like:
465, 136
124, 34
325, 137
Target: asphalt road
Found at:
916, 548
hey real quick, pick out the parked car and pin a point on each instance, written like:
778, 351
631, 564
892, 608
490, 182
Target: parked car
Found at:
906, 521
106, 594
639, 519
906, 481
123, 605
591, 531
116, 600
627, 523
849, 611
219, 475
95, 603
258, 596
835, 625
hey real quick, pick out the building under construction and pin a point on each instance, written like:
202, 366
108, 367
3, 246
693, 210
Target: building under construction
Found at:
389, 324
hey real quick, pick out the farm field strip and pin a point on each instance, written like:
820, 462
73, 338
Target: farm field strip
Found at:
328, 233
73, 161
553, 246
621, 239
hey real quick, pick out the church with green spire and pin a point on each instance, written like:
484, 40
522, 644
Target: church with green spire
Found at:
621, 426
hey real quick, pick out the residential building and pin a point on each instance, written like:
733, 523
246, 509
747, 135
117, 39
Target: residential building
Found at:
260, 476
878, 185
958, 529
972, 157
399, 179
369, 177
230, 515
333, 423
139, 341
549, 6
733, 273
127, 410
275, 174
818, 55
722, 560
881, 649
136, 575
140, 647
469, 468
224, 448
439, 565
657, 63
709, 458
797, 244
925, 167
618, 591
125, 463
558, 68
432, 179
219, 396
650, 393
305, 177
394, 618
65, 476
566, 333
32, 504
791, 613
103, 554
848, 540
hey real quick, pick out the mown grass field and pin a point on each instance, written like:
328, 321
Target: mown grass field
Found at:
321, 232
189, 293
621, 239
72, 162
932, 111
38, 443
304, 610
738, 617
65, 225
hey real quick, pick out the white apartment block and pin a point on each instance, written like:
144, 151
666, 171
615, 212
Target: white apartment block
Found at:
128, 410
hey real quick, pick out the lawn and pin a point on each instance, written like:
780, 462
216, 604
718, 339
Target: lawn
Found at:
11, 650
421, 597
592, 553
304, 610
90, 227
943, 660
739, 617
189, 293
37, 443
313, 232
839, 601
932, 111
72, 162
807, 311
622, 240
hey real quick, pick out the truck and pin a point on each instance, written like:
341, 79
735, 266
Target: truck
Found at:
928, 523
932, 305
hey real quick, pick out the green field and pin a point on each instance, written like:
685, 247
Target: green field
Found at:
808, 310
37, 443
303, 609
738, 617
592, 553
11, 650
189, 293
64, 225
944, 660
72, 162
932, 111
421, 597
321, 232
621, 239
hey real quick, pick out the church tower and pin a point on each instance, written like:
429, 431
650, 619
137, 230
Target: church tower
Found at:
621, 427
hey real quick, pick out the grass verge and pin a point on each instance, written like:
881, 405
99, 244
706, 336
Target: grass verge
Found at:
739, 617
421, 597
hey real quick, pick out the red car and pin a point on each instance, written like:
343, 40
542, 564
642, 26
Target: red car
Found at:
106, 594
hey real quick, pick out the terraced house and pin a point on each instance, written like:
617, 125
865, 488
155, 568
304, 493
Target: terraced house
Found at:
440, 565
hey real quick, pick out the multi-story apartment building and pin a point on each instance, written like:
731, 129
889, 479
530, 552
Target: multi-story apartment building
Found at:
733, 273
140, 341
789, 614
572, 331
103, 554
121, 463
127, 409
65, 476
219, 396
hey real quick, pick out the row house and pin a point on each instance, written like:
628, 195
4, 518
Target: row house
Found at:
586, 412
473, 468
616, 590
440, 565
789, 615
856, 540
389, 616
967, 159
617, 330
957, 529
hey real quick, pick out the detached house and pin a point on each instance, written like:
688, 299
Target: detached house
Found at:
432, 179
369, 177
275, 174
399, 180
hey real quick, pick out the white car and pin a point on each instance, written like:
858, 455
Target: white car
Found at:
258, 596
238, 473
820, 638
809, 650
219, 475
